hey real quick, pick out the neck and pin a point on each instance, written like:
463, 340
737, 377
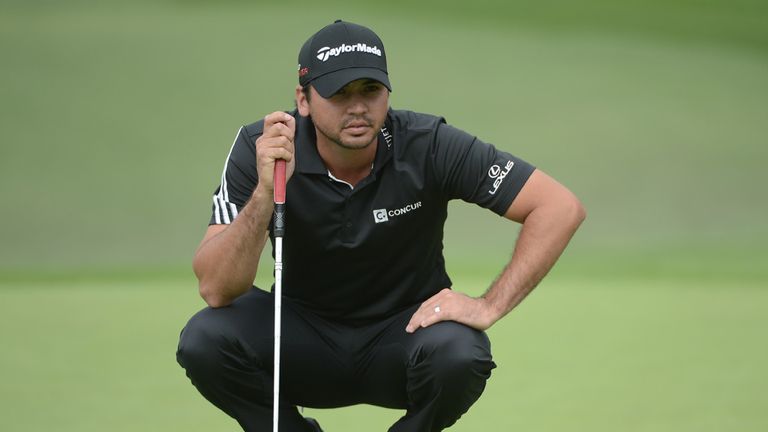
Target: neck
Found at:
350, 165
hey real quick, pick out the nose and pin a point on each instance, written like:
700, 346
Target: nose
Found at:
357, 105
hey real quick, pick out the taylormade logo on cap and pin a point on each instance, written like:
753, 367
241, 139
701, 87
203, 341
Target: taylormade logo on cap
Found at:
340, 53
326, 52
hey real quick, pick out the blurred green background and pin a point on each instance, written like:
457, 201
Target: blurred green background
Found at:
116, 118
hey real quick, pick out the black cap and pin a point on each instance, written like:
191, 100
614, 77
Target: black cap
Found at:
340, 53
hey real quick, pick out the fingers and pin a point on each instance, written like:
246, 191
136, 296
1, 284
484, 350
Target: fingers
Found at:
449, 305
433, 316
279, 123
276, 142
437, 308
269, 149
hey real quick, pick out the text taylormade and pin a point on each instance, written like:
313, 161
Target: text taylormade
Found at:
325, 52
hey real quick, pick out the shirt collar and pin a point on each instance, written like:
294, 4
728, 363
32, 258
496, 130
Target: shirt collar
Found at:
307, 159
386, 145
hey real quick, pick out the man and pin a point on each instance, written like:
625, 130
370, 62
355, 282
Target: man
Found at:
368, 311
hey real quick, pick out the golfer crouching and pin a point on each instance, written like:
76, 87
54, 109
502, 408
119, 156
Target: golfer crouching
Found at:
369, 314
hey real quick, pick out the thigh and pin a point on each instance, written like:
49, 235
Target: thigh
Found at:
313, 370
392, 354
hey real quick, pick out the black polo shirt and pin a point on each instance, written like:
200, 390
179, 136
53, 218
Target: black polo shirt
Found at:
366, 252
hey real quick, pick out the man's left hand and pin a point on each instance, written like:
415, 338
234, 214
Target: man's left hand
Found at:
448, 305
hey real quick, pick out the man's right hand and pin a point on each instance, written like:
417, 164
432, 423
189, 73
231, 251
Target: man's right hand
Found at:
228, 257
276, 142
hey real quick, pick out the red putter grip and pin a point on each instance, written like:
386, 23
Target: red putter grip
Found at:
279, 181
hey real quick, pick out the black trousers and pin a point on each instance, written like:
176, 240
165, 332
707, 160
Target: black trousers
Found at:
435, 374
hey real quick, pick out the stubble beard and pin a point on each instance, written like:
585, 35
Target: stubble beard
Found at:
336, 139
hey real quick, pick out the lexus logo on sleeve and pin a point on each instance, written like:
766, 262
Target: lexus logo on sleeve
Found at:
496, 173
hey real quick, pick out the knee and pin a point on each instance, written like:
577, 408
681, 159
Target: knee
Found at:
449, 370
202, 341
457, 353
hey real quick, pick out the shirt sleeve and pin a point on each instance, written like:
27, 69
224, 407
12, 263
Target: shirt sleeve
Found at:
477, 172
238, 180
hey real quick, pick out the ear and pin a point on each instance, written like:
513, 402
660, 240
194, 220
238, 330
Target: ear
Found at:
301, 102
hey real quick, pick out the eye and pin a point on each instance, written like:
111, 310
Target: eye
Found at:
342, 93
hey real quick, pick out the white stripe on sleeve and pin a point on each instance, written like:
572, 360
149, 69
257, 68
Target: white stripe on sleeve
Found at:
225, 211
224, 191
216, 212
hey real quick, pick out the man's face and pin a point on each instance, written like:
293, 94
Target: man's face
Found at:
352, 117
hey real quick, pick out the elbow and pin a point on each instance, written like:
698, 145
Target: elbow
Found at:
576, 212
580, 212
213, 296
209, 290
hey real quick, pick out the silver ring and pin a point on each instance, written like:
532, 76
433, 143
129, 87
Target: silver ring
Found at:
437, 309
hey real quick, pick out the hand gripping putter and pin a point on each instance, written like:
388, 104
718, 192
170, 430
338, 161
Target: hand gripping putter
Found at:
278, 228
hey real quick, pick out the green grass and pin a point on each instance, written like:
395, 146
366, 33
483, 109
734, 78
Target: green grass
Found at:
618, 354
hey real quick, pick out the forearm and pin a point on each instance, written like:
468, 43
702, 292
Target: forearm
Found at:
226, 263
550, 215
545, 233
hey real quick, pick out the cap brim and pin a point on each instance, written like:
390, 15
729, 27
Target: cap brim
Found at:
328, 84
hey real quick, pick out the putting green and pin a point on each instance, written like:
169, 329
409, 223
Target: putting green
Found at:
618, 354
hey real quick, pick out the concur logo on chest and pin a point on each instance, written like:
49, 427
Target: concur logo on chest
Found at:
383, 215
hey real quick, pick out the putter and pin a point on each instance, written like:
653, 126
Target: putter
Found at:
279, 230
